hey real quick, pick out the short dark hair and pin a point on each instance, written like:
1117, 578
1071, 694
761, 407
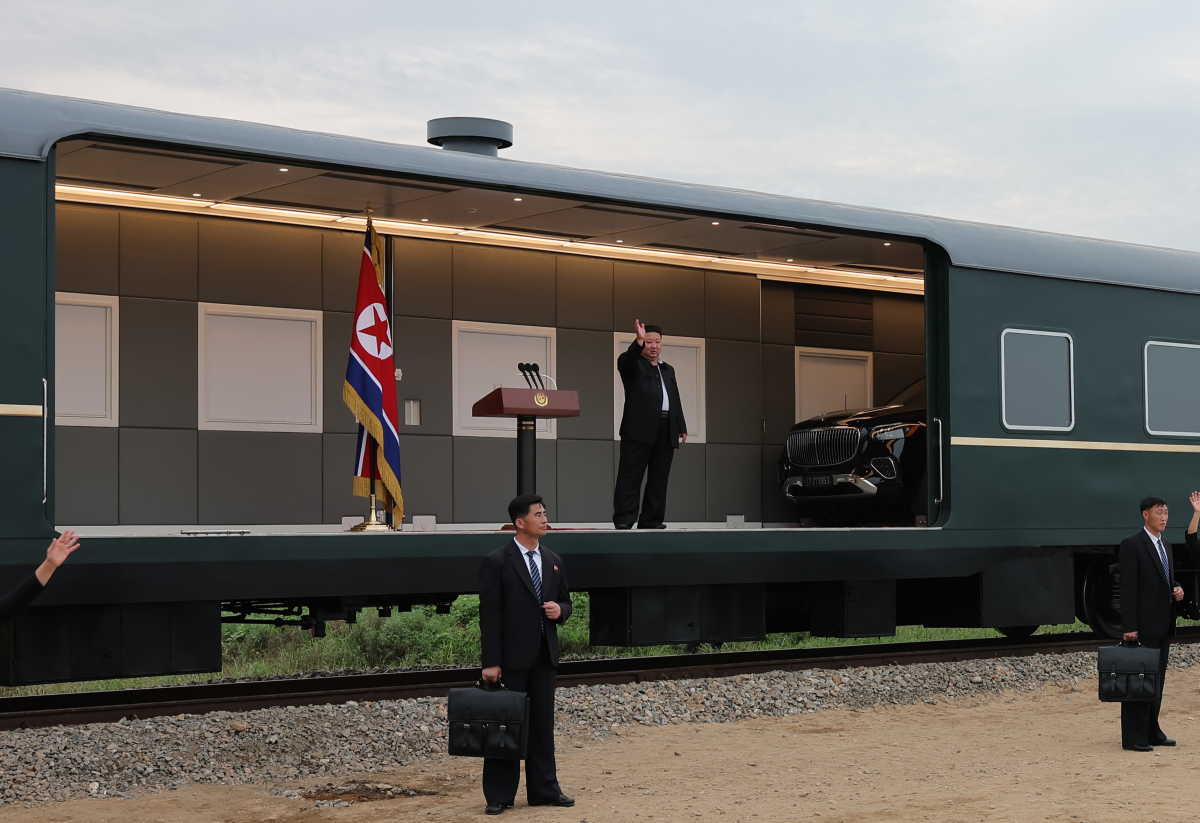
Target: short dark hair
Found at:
520, 506
656, 329
1152, 501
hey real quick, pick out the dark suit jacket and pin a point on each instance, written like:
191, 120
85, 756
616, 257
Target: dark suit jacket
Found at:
643, 398
1147, 606
509, 613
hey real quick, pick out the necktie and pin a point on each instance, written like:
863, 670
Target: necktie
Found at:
537, 582
1162, 558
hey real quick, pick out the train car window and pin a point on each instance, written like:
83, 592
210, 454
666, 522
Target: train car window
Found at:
260, 368
1037, 380
1172, 383
86, 359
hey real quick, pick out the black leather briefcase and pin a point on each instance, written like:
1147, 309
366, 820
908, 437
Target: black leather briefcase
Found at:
1128, 673
488, 721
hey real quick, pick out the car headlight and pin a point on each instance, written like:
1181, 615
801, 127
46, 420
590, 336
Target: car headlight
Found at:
895, 431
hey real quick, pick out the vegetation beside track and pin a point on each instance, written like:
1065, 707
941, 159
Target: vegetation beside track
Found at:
423, 637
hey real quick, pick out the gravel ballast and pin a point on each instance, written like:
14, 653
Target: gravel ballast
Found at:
310, 744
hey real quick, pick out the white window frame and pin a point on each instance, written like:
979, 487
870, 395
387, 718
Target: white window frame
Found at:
1004, 388
271, 313
833, 354
697, 429
509, 381
1146, 385
113, 378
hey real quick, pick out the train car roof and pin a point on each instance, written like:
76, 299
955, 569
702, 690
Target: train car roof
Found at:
31, 124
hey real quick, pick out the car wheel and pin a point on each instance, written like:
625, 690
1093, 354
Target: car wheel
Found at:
1102, 598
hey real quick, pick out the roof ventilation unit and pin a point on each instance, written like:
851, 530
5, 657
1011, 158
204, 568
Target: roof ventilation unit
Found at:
476, 135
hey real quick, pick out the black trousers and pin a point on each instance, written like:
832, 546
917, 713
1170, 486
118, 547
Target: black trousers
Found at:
635, 459
1139, 721
501, 777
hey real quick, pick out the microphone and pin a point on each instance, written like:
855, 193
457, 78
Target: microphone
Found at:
524, 369
537, 374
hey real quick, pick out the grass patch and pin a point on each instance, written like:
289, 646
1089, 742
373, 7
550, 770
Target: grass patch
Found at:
423, 637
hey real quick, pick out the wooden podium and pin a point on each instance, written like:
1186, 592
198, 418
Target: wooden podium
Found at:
527, 405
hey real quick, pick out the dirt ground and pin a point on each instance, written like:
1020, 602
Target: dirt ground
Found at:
1053, 756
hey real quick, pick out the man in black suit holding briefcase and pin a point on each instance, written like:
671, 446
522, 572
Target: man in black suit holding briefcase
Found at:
523, 599
1148, 597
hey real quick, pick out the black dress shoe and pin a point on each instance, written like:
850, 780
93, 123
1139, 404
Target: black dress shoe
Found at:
561, 800
1166, 741
496, 808
622, 526
659, 526
1138, 748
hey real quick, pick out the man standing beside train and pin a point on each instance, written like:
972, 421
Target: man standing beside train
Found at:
1148, 597
523, 599
652, 427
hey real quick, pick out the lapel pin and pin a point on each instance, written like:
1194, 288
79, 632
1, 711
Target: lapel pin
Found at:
556, 568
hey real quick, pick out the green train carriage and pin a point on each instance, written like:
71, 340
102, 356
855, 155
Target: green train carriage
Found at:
145, 225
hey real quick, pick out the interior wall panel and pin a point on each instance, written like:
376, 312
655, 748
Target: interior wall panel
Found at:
731, 306
424, 357
899, 324
660, 295
341, 262
157, 476
485, 478
893, 373
158, 363
426, 467
776, 508
585, 365
336, 330
86, 243
585, 481
733, 384
424, 278
778, 312
85, 476
258, 264
778, 392
337, 479
584, 289
259, 478
733, 481
159, 256
503, 286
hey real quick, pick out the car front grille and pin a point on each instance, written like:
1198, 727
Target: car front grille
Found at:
823, 447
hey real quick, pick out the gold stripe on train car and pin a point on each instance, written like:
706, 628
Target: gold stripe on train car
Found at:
19, 410
1083, 445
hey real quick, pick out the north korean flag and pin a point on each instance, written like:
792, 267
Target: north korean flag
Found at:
370, 388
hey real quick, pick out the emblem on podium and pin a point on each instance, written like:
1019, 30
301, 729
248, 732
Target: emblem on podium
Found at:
541, 399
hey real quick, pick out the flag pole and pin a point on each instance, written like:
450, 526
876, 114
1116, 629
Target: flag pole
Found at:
372, 523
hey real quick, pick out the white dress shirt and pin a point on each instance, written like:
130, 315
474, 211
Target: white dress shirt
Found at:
666, 400
537, 556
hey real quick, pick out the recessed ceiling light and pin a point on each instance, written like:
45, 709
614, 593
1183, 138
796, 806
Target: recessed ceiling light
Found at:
424, 219
715, 223
517, 199
283, 169
620, 241
789, 260
887, 244
195, 194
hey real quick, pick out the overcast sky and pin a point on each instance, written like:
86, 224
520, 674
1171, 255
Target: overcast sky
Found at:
1078, 117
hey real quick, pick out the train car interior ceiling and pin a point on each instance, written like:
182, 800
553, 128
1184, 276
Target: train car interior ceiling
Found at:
173, 264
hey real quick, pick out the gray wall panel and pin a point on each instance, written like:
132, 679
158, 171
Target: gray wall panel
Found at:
337, 479
585, 293
485, 478
423, 354
585, 481
341, 260
426, 466
336, 416
256, 264
778, 391
158, 363
503, 286
424, 285
899, 324
85, 253
733, 385
259, 478
778, 312
586, 365
159, 256
730, 306
664, 296
158, 476
85, 471
776, 508
733, 481
893, 373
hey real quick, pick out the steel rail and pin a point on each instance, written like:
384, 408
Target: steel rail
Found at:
246, 695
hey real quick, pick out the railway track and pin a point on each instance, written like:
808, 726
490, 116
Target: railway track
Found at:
108, 706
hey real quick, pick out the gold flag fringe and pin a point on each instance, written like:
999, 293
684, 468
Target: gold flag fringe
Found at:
390, 495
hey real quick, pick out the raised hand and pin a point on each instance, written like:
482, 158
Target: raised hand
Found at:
1195, 498
640, 328
60, 549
